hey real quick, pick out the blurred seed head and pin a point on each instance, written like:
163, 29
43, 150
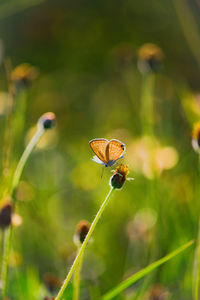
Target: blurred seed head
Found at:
157, 292
119, 176
51, 282
47, 121
196, 137
5, 215
150, 58
82, 229
23, 75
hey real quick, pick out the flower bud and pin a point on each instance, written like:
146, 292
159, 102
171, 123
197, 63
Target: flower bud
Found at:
196, 137
82, 229
150, 58
47, 121
6, 215
119, 176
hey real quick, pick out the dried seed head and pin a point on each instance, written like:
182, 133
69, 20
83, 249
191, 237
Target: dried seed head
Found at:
51, 282
82, 229
5, 215
23, 75
157, 292
119, 176
150, 58
47, 121
196, 137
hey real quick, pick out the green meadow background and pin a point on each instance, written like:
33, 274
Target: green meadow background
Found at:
86, 54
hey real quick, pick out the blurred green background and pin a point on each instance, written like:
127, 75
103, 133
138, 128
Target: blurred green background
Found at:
86, 53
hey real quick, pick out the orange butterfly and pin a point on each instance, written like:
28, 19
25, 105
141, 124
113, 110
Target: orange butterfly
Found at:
107, 152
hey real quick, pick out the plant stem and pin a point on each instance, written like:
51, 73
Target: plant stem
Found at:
147, 104
23, 160
76, 282
83, 246
8, 232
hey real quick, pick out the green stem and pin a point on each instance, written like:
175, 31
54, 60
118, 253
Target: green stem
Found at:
77, 279
8, 232
147, 104
83, 246
23, 160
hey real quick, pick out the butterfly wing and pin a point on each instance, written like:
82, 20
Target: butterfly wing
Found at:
114, 150
98, 146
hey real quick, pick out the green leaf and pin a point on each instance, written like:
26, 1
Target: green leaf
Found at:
132, 279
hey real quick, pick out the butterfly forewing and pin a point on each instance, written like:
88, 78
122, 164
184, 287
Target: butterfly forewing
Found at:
114, 150
99, 148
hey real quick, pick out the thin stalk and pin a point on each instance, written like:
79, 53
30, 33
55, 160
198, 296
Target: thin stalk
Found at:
83, 246
147, 104
23, 160
76, 282
8, 232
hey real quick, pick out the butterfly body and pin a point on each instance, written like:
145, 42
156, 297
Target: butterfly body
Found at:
107, 152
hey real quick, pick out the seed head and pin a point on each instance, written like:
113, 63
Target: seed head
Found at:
196, 137
51, 282
5, 215
150, 58
119, 176
23, 75
82, 229
47, 121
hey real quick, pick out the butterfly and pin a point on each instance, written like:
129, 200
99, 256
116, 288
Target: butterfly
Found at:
107, 152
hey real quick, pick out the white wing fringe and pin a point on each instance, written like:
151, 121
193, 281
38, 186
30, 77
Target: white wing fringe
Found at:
97, 160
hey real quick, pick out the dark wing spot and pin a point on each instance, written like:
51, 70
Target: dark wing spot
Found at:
122, 146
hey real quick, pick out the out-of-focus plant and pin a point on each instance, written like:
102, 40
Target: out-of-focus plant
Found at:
134, 278
150, 58
147, 156
46, 121
79, 237
196, 147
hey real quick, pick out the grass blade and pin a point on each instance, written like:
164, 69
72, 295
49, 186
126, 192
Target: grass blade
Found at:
132, 279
